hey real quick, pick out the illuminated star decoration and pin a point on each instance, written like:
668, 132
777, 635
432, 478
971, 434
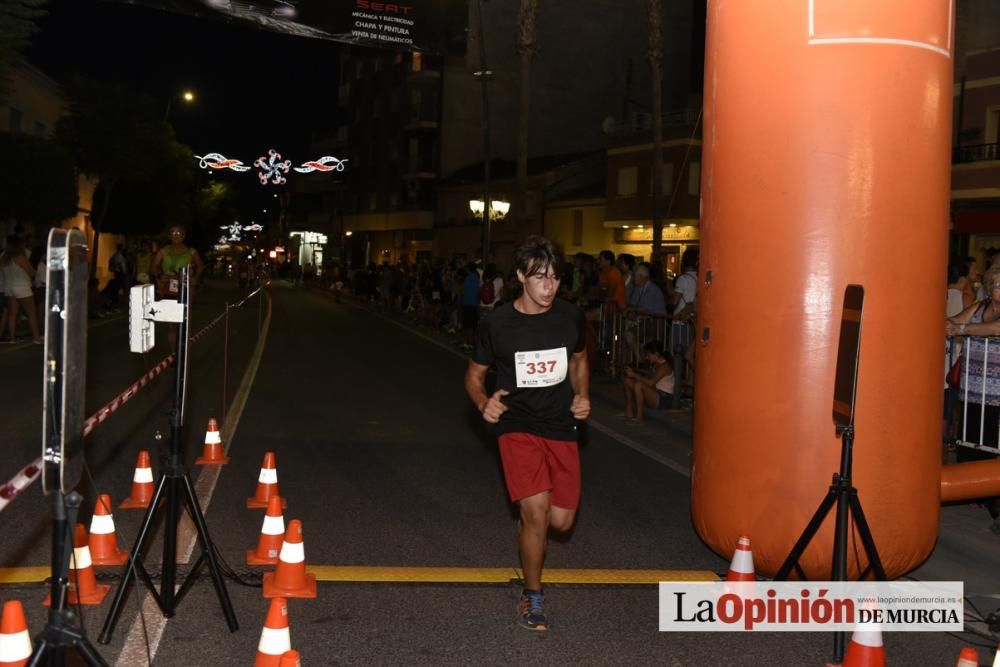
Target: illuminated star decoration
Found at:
325, 163
219, 161
272, 168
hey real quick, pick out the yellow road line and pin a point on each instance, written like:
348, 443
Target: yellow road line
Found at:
442, 575
24, 575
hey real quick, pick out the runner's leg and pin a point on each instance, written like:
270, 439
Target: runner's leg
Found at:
533, 538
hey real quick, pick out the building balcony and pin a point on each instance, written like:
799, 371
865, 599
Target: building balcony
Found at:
421, 169
416, 123
975, 153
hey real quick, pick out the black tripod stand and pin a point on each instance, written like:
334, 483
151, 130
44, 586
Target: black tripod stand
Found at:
61, 632
63, 375
842, 491
172, 476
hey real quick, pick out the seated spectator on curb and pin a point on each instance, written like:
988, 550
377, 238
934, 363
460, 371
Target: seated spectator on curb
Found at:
654, 391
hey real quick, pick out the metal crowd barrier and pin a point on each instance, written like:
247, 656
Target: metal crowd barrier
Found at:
967, 423
674, 338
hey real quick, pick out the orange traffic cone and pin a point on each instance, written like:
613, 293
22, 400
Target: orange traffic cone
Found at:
142, 484
83, 586
272, 534
865, 649
290, 659
267, 484
274, 637
290, 579
212, 454
969, 657
741, 569
103, 544
15, 643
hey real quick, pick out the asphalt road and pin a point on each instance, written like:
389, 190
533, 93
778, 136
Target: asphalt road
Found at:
385, 462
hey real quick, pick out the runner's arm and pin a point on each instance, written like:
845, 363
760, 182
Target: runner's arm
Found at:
579, 379
157, 266
490, 407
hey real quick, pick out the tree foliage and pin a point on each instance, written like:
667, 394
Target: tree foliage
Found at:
112, 133
146, 178
37, 179
160, 197
17, 25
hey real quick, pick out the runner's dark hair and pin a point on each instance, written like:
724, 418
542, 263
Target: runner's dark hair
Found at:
535, 255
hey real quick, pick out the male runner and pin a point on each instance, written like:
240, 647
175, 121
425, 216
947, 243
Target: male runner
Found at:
538, 345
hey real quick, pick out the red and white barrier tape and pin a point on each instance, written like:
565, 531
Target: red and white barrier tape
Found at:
22, 480
119, 400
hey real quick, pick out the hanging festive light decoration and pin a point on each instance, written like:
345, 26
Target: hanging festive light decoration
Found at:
234, 231
325, 163
272, 167
219, 161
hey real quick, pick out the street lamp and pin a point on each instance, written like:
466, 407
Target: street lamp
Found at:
186, 95
498, 208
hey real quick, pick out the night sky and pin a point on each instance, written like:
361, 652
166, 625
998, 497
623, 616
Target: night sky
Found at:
255, 89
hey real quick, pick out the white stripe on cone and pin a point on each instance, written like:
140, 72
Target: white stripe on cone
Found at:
143, 476
212, 438
14, 647
81, 558
293, 552
273, 525
742, 557
996, 660
268, 476
867, 634
274, 641
102, 524
966, 662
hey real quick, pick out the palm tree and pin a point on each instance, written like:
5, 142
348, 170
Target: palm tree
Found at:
527, 39
654, 13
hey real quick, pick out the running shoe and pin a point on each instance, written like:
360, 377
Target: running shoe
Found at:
530, 612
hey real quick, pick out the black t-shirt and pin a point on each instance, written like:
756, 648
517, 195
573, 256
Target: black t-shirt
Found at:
533, 351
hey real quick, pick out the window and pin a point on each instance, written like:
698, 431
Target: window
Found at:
372, 201
694, 179
667, 178
992, 125
628, 179
416, 101
15, 119
417, 63
577, 227
40, 129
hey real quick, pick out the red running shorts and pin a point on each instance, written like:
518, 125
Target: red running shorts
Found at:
533, 464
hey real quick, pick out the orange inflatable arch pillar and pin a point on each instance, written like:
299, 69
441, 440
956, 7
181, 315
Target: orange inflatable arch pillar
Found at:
826, 162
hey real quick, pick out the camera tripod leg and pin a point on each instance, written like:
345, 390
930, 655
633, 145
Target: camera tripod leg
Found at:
874, 560
800, 546
132, 565
208, 553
